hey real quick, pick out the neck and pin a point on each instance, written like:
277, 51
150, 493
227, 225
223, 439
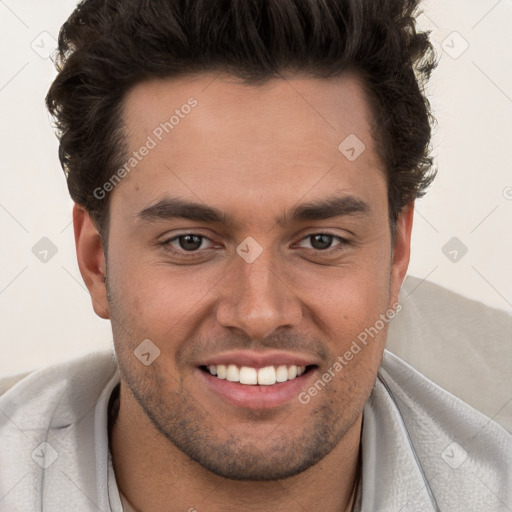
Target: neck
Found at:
151, 473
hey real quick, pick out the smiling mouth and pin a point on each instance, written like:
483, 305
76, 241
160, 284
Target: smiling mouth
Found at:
249, 376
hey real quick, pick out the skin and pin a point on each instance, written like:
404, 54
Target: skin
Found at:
254, 153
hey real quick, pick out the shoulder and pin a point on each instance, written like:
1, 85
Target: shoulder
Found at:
58, 393
9, 381
461, 344
53, 434
465, 457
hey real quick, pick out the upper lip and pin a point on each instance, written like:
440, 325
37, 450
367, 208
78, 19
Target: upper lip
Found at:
259, 359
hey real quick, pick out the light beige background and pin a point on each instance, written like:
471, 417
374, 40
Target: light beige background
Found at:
46, 315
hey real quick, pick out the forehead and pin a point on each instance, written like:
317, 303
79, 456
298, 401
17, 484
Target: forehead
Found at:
217, 140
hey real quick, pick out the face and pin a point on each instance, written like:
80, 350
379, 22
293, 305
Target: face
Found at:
244, 241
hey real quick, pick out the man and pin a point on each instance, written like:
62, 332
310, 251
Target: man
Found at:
244, 176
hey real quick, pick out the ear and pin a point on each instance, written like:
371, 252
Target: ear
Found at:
91, 259
401, 250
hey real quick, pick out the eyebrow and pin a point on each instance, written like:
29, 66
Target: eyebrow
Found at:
172, 207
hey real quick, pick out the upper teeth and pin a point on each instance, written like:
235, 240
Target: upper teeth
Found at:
252, 376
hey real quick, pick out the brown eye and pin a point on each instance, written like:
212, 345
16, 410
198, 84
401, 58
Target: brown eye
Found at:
190, 242
321, 241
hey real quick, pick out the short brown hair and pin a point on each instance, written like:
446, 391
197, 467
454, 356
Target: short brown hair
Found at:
108, 46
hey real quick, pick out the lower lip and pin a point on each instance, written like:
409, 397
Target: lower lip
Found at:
256, 396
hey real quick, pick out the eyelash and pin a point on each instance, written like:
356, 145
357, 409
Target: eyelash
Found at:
194, 254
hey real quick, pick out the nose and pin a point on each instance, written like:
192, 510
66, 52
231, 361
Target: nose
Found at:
257, 300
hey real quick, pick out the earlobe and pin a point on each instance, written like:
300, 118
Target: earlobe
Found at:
401, 249
91, 259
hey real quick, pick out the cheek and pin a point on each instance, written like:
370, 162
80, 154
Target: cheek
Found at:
141, 287
348, 307
160, 303
160, 299
352, 296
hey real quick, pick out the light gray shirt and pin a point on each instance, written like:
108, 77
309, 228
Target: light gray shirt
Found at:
423, 449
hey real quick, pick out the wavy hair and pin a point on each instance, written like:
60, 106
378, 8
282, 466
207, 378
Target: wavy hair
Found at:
108, 46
